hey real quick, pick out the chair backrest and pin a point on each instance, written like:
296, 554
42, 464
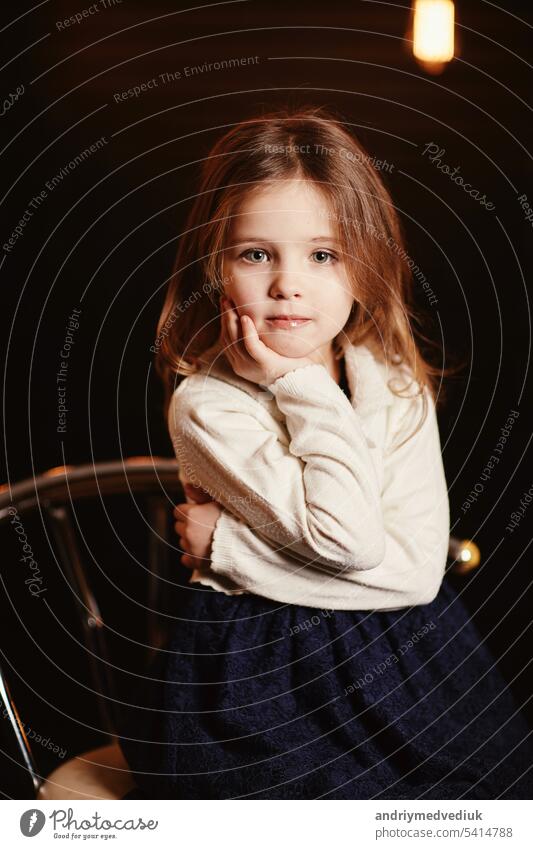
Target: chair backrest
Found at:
54, 496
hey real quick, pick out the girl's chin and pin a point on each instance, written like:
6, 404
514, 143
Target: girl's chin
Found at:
287, 347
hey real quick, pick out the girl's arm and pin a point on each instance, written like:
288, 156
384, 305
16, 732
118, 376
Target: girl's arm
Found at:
317, 497
416, 518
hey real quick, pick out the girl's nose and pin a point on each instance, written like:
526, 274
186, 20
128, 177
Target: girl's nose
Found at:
286, 285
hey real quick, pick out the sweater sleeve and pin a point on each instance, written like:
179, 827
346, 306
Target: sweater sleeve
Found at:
317, 497
416, 518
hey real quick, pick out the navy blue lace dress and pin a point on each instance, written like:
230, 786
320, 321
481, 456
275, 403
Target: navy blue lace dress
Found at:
261, 700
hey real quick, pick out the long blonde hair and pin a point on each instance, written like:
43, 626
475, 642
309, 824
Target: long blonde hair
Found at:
309, 143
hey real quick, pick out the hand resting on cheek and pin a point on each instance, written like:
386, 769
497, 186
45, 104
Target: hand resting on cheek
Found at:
247, 353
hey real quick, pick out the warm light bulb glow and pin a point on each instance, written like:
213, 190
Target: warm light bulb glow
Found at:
433, 31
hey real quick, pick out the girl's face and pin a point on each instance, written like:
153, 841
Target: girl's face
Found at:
283, 259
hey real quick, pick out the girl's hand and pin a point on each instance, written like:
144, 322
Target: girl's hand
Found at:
196, 493
195, 525
248, 355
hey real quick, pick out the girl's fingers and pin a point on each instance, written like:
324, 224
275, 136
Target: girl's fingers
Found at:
231, 337
240, 329
226, 329
191, 561
232, 324
251, 339
198, 495
181, 524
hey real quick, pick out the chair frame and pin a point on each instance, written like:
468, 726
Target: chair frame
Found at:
54, 493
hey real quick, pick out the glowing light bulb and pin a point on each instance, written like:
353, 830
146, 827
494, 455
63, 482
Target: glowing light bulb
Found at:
433, 33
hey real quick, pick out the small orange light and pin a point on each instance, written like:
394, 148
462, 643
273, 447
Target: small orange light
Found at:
468, 558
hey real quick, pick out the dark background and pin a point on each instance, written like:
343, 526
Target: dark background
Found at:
104, 240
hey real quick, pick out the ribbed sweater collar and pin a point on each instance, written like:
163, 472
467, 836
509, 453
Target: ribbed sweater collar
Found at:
367, 377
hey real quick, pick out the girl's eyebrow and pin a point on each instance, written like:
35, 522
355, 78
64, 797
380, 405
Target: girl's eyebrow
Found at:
240, 239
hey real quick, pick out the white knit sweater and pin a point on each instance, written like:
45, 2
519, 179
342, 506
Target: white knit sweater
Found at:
322, 503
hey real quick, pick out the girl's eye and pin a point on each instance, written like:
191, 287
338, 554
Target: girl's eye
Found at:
326, 257
254, 251
255, 256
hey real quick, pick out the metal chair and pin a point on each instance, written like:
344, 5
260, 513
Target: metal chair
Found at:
103, 773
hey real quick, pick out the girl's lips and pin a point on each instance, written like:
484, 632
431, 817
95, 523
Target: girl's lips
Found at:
288, 323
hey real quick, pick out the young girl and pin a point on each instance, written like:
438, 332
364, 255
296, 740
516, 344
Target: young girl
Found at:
320, 652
